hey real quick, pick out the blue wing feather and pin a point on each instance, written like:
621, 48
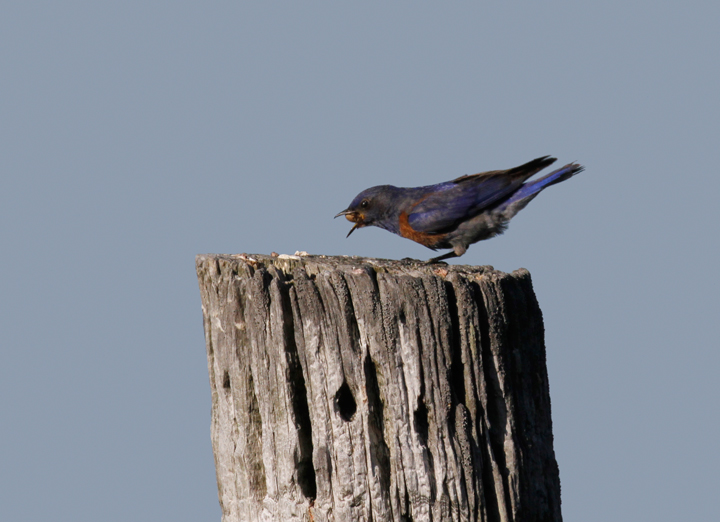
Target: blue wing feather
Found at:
451, 202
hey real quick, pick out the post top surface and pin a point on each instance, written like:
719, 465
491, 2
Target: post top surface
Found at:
314, 264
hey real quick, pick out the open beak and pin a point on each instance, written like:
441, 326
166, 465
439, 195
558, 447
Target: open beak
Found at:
359, 224
354, 217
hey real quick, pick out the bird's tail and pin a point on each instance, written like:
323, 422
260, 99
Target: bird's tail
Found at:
529, 190
561, 174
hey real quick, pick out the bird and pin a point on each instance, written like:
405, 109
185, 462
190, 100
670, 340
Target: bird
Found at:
455, 214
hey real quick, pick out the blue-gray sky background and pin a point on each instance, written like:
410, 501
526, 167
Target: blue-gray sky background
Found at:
134, 135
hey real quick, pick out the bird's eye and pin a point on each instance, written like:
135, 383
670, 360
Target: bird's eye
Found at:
365, 203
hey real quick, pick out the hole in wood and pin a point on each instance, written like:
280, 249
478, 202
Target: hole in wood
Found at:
378, 448
345, 405
226, 380
420, 419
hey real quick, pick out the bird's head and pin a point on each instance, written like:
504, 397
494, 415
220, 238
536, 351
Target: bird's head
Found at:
372, 207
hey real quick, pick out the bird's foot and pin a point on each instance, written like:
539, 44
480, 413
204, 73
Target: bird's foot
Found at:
441, 259
436, 261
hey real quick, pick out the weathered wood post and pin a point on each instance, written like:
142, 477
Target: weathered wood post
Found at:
364, 389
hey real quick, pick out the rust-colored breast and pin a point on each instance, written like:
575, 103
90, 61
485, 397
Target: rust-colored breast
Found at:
428, 240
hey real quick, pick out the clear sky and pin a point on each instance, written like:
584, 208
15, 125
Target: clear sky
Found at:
135, 135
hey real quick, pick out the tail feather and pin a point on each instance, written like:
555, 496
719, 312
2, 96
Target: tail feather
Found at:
529, 190
534, 187
566, 172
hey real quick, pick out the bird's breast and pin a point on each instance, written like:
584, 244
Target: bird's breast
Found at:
428, 240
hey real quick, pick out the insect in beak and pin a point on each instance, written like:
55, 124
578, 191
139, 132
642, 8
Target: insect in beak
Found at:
353, 216
359, 224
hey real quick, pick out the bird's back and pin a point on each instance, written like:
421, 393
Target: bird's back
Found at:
443, 205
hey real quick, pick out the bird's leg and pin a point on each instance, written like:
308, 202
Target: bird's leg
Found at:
449, 255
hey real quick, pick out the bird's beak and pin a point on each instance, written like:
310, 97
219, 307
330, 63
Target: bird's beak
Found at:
359, 224
354, 217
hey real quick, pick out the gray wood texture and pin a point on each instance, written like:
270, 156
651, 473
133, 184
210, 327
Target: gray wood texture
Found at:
348, 389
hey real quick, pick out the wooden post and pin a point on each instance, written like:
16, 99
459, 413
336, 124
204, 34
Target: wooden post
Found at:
349, 388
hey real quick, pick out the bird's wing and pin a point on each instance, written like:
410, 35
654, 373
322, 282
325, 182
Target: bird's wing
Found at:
453, 202
467, 196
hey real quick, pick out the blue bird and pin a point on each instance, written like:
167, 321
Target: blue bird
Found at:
457, 213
